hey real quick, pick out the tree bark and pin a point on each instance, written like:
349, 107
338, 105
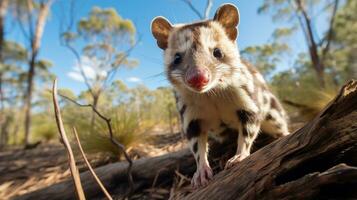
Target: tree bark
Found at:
307, 164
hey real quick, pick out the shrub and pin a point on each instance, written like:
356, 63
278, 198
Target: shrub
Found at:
125, 125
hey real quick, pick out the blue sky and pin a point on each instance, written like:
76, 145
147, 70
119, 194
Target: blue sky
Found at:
254, 29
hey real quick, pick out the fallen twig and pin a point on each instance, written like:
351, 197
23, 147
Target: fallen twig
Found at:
64, 139
90, 167
112, 139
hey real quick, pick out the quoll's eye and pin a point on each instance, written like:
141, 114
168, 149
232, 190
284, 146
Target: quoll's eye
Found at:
177, 59
217, 53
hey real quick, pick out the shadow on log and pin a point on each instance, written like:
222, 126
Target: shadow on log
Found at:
318, 161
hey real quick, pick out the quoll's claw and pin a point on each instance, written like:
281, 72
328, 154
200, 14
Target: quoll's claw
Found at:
234, 160
202, 177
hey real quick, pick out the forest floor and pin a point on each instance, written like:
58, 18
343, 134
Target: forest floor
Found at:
24, 171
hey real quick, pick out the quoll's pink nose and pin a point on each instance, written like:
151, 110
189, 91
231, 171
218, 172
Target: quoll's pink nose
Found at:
197, 77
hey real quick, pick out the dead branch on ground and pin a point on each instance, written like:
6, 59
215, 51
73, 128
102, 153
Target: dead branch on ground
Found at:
106, 193
64, 139
112, 139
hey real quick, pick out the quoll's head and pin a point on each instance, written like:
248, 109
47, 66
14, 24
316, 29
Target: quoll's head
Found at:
198, 56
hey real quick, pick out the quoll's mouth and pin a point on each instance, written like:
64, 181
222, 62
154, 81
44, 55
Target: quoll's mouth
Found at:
198, 78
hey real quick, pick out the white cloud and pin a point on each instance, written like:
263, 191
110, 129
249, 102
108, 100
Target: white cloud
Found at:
75, 76
134, 79
90, 68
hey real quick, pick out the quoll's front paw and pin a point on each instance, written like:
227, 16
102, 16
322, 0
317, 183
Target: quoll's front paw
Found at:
234, 160
202, 176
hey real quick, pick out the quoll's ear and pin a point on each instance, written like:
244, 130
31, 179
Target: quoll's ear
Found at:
228, 16
160, 28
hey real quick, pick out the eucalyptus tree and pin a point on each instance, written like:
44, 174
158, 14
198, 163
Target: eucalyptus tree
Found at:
12, 85
3, 10
101, 43
344, 43
301, 15
32, 16
265, 57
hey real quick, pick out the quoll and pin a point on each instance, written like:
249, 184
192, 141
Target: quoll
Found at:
216, 89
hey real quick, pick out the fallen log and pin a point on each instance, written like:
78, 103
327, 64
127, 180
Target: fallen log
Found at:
114, 176
144, 171
305, 164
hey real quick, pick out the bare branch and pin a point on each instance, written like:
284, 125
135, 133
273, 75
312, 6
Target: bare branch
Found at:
208, 8
29, 6
21, 24
90, 167
321, 10
206, 12
112, 139
189, 3
112, 72
64, 139
301, 23
80, 66
313, 47
67, 44
331, 30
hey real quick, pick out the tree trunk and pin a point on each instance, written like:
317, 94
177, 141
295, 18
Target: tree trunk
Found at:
3, 9
307, 164
2, 113
2, 98
4, 129
28, 99
317, 62
170, 120
352, 68
95, 106
35, 46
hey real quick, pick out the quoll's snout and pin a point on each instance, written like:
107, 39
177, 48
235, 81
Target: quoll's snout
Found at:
197, 77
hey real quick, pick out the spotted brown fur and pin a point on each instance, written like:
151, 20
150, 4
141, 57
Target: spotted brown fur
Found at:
235, 95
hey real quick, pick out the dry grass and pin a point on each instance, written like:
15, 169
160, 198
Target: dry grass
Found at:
126, 129
309, 103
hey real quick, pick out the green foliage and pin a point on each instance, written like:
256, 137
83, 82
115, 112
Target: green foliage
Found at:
44, 127
14, 52
265, 57
281, 34
299, 86
280, 9
125, 124
133, 113
12, 73
104, 22
343, 55
105, 33
105, 40
43, 71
